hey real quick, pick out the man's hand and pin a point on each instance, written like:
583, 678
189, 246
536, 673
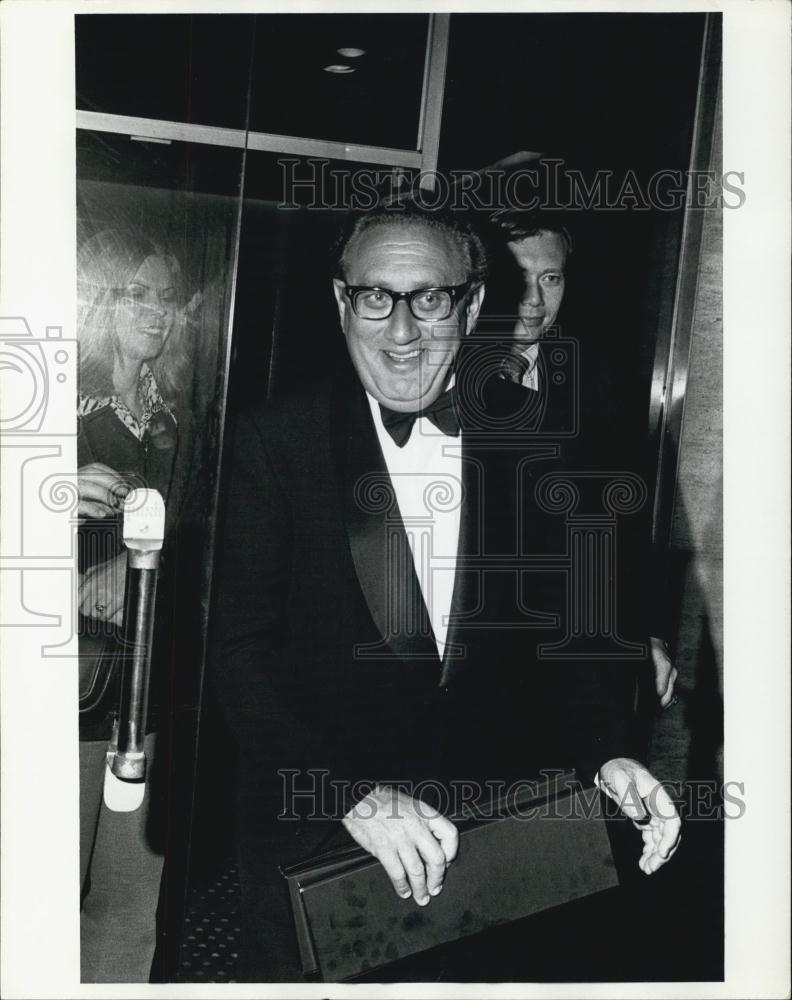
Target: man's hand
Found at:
643, 800
413, 842
102, 490
665, 671
101, 591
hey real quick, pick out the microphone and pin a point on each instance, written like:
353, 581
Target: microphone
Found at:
144, 530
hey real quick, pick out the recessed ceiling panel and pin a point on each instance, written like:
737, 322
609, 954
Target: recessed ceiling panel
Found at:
353, 78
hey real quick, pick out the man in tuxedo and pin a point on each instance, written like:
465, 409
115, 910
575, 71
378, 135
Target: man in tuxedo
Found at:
384, 596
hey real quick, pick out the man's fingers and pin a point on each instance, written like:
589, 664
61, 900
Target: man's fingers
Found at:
651, 862
661, 841
669, 838
414, 845
636, 791
639, 795
434, 861
667, 697
416, 873
394, 869
447, 834
624, 791
660, 805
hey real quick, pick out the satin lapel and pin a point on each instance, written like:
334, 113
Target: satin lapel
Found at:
380, 549
463, 598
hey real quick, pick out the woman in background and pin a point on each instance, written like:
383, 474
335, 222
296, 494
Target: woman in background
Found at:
134, 369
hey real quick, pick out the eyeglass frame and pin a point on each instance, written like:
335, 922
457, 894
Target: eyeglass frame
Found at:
457, 294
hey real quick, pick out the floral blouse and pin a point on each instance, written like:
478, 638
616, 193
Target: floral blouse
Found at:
149, 395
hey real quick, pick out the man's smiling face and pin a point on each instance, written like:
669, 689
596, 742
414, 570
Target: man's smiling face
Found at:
403, 362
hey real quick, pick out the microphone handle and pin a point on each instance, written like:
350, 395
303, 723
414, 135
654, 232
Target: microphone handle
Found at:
129, 760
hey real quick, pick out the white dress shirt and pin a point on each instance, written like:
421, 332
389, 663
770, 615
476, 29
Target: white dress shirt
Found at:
427, 479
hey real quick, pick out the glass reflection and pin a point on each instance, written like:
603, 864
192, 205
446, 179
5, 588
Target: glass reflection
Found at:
155, 264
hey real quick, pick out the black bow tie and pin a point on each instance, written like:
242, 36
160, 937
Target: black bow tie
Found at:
441, 413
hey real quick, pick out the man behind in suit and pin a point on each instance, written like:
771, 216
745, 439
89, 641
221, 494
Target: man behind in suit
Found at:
540, 245
359, 650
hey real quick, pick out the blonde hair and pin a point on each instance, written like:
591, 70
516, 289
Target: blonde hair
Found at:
106, 263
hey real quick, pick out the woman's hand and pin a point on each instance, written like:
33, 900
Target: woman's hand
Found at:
102, 490
101, 592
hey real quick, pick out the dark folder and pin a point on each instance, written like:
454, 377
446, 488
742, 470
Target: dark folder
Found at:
539, 849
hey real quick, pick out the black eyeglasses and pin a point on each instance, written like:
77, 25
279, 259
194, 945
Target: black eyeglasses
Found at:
431, 305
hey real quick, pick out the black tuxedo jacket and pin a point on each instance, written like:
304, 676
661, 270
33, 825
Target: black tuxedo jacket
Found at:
323, 656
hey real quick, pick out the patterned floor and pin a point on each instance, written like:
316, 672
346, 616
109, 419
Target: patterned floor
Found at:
211, 930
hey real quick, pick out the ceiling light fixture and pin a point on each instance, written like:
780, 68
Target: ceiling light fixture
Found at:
339, 68
349, 53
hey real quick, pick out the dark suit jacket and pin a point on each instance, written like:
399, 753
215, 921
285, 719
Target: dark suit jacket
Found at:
323, 656
579, 409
